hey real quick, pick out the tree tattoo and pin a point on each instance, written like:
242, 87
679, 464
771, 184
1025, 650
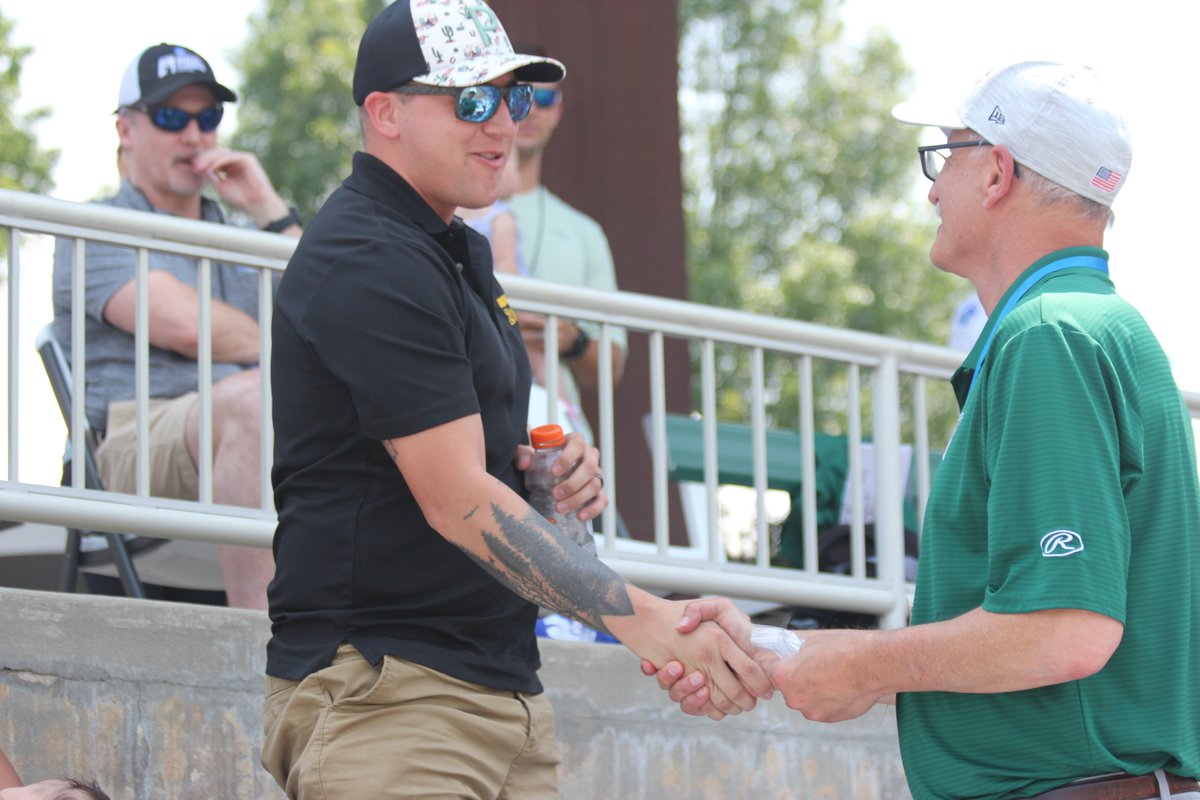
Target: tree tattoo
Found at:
541, 564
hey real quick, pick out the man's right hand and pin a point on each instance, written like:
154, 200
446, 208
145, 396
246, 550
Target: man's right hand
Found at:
691, 690
241, 182
733, 680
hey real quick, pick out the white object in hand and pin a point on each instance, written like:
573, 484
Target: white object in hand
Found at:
780, 641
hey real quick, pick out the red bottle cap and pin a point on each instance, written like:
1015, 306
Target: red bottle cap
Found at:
546, 436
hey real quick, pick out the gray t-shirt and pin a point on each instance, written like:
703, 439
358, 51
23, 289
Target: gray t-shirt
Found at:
110, 350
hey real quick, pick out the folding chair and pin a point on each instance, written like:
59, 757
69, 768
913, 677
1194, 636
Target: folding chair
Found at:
120, 548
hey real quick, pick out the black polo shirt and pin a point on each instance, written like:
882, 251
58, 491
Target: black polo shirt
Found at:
389, 322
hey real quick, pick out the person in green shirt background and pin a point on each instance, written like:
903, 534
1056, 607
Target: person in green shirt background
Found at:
561, 244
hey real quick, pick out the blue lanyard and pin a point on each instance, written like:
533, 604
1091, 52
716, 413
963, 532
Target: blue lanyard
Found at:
1091, 262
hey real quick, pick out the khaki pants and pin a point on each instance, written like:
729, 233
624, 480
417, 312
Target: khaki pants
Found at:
402, 730
172, 472
176, 564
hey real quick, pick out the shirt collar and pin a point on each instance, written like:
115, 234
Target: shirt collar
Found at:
961, 380
135, 198
377, 180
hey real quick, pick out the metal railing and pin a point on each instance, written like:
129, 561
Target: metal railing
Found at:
701, 568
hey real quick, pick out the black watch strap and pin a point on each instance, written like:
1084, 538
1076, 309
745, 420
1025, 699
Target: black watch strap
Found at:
284, 222
579, 346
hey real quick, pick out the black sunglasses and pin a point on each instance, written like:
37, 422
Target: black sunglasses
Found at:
173, 120
480, 103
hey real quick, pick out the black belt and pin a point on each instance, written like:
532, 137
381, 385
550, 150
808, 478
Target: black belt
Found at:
1118, 787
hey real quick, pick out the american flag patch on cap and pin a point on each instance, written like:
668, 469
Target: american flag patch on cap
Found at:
1106, 179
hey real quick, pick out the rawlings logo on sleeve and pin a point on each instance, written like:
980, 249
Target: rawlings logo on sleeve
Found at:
1057, 544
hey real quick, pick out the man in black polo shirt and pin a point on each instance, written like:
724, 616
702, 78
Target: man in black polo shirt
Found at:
409, 567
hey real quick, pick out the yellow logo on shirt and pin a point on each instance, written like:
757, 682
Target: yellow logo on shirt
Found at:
502, 301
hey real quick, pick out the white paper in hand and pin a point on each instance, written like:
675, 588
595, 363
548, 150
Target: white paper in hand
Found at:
780, 641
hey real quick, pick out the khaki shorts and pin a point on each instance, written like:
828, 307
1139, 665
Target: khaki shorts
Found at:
172, 472
402, 730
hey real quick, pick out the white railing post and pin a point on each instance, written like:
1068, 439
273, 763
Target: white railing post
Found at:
758, 429
889, 494
14, 355
658, 424
78, 378
141, 349
921, 448
808, 467
708, 408
854, 483
606, 438
266, 430
204, 378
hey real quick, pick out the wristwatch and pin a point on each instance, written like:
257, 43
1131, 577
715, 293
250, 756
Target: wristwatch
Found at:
579, 346
284, 222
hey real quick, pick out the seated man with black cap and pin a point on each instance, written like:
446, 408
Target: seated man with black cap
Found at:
168, 110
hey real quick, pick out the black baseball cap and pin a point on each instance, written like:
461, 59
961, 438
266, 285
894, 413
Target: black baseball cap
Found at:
441, 43
164, 69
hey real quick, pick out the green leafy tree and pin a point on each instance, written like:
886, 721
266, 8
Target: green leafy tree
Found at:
799, 186
296, 111
23, 165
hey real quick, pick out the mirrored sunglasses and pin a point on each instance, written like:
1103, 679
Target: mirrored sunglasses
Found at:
480, 103
173, 120
546, 98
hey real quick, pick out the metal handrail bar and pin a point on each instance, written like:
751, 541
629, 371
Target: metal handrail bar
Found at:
656, 564
216, 524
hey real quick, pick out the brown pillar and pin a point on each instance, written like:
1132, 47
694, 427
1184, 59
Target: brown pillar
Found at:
615, 156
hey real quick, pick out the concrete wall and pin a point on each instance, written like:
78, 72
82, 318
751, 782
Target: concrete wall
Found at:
161, 702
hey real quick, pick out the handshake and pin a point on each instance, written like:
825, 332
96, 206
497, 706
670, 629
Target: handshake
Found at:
826, 679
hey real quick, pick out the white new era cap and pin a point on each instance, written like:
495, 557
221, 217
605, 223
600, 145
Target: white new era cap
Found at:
1057, 119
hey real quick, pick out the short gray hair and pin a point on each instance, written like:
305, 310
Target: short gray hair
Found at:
1047, 193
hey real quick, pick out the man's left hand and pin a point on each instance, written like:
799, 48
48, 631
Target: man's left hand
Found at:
582, 489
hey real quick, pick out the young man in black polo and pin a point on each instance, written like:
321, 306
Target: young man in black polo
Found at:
409, 566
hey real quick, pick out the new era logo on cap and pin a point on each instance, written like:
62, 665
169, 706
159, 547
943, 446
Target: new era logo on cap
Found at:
164, 69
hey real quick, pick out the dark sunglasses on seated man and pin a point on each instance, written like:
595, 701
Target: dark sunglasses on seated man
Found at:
480, 103
173, 120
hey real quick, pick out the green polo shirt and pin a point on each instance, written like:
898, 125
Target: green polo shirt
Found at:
1070, 482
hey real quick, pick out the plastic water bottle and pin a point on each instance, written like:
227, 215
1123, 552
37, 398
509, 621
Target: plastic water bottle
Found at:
548, 442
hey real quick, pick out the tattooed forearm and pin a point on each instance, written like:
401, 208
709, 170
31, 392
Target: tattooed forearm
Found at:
542, 565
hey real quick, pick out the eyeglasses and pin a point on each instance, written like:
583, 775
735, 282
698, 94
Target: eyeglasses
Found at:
173, 120
932, 166
546, 98
480, 103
